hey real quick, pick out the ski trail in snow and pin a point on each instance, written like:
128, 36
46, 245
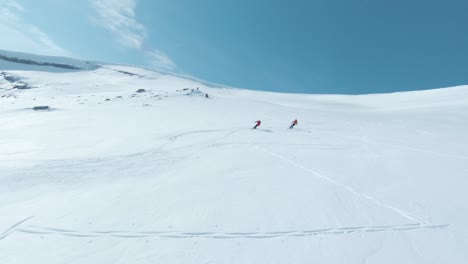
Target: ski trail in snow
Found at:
173, 138
12, 229
433, 152
348, 188
38, 230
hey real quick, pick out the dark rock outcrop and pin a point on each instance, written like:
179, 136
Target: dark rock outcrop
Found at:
41, 108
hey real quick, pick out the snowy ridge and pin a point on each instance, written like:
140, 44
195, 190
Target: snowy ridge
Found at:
131, 165
23, 61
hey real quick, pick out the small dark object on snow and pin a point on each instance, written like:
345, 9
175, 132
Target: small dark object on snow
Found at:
206, 96
127, 73
41, 108
107, 99
141, 91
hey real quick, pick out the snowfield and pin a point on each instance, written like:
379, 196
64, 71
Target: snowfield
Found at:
165, 175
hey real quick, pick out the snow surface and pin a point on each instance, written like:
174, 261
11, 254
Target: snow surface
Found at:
109, 175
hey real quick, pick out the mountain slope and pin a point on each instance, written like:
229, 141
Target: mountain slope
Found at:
166, 175
12, 60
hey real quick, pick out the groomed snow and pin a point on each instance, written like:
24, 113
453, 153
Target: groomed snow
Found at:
169, 176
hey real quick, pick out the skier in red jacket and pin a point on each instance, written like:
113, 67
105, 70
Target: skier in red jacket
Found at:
294, 123
257, 124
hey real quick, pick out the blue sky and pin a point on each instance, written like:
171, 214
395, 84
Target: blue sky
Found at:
315, 46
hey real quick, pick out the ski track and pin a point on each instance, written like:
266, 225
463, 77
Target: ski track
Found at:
437, 153
94, 162
38, 230
348, 188
404, 145
12, 228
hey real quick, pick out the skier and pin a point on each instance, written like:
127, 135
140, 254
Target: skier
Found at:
257, 124
294, 123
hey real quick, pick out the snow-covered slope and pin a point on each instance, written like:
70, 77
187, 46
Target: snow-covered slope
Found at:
165, 175
12, 60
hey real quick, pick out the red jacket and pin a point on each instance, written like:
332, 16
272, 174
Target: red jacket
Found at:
295, 122
258, 122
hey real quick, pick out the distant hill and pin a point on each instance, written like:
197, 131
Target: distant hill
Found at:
10, 60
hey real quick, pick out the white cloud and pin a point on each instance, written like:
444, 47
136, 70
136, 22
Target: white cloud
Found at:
160, 60
19, 35
118, 17
13, 5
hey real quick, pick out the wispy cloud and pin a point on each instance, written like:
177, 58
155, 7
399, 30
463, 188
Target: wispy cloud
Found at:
20, 35
159, 59
13, 5
118, 17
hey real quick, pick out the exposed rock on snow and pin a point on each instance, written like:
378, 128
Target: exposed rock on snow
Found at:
10, 77
41, 108
21, 86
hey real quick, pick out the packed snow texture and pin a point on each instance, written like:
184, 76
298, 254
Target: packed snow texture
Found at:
165, 175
